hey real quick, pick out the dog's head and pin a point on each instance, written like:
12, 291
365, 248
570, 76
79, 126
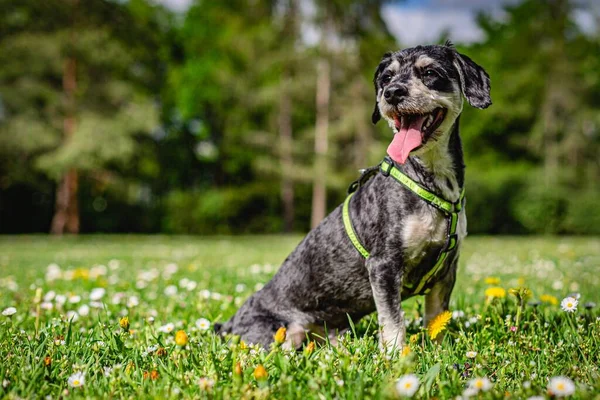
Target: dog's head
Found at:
419, 92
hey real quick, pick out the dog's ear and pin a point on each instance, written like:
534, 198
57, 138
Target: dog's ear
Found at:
385, 61
474, 82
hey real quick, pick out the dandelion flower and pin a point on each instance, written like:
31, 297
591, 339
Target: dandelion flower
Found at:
279, 336
309, 349
561, 386
438, 324
471, 354
9, 312
569, 304
203, 324
167, 328
260, 372
181, 338
495, 291
548, 298
77, 379
407, 385
492, 280
124, 323
480, 384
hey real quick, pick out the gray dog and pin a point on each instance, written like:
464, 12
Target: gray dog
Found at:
398, 235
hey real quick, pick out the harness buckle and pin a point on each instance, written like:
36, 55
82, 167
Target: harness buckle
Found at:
390, 165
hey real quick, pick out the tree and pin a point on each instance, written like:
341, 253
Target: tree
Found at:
72, 85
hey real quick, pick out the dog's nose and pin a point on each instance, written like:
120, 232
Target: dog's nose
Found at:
395, 94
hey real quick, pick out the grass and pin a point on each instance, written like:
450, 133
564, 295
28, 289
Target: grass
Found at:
158, 280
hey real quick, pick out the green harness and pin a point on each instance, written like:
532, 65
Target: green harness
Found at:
450, 210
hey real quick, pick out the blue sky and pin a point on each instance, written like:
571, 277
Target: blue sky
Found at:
422, 21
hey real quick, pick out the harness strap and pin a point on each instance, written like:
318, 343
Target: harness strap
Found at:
450, 210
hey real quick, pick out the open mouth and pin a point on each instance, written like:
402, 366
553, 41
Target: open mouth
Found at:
413, 131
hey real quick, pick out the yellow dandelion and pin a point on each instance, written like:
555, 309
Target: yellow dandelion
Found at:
124, 323
237, 369
405, 351
181, 338
279, 336
438, 324
309, 349
243, 345
548, 298
495, 291
260, 372
492, 280
414, 338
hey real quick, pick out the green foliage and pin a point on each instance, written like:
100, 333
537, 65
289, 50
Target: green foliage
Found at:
243, 209
167, 106
40, 348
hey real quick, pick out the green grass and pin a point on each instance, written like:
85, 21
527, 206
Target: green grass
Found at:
40, 349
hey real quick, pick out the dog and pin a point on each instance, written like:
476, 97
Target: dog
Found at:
326, 284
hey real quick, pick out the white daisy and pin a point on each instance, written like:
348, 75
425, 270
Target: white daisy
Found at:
133, 301
536, 398
77, 379
569, 304
167, 328
74, 299
480, 384
49, 296
203, 324
170, 290
407, 385
9, 312
97, 294
72, 316
471, 354
561, 386
46, 305
84, 310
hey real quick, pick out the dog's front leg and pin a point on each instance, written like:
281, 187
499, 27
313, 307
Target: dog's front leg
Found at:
386, 280
438, 299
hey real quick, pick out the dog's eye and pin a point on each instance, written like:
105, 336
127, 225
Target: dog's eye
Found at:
430, 72
385, 79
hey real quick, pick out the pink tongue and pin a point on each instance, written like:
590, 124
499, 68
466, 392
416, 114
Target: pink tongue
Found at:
407, 139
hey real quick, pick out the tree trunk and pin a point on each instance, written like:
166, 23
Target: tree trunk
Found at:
319, 198
285, 141
66, 212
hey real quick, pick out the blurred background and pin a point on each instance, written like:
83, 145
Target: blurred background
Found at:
253, 116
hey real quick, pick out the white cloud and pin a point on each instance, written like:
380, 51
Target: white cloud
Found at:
419, 25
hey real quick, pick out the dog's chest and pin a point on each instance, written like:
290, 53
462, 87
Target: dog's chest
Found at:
426, 229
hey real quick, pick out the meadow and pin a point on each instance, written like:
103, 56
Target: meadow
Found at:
131, 317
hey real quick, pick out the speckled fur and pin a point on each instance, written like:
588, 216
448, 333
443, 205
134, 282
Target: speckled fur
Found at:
325, 282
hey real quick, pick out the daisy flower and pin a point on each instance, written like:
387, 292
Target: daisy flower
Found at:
438, 324
9, 312
536, 398
569, 304
480, 384
471, 354
407, 385
167, 328
203, 324
97, 294
77, 379
495, 291
561, 386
